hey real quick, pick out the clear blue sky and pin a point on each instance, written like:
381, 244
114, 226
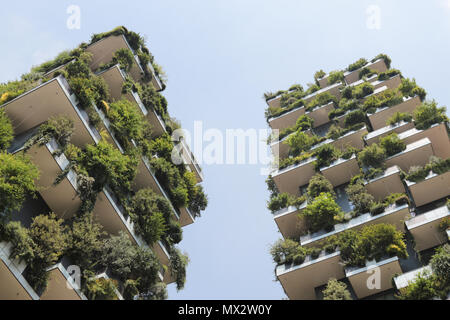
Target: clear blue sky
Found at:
220, 57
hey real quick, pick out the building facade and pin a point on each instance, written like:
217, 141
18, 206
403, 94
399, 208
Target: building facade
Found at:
110, 189
361, 185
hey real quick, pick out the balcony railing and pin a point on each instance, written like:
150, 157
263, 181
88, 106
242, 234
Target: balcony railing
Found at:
375, 136
425, 228
404, 280
353, 76
287, 119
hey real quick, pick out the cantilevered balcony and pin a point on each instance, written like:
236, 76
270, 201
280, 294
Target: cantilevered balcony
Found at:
61, 286
363, 286
425, 228
390, 83
416, 154
287, 119
14, 285
289, 179
62, 198
375, 136
437, 134
52, 98
190, 160
353, 76
350, 139
379, 118
289, 223
393, 214
387, 183
334, 89
104, 275
281, 148
320, 114
299, 281
341, 171
115, 78
104, 50
404, 280
433, 187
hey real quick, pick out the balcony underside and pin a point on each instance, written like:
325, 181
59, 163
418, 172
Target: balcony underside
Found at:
289, 223
425, 228
59, 288
290, 179
11, 288
375, 136
36, 106
353, 139
341, 172
286, 120
299, 281
320, 114
385, 185
364, 281
353, 76
415, 154
430, 189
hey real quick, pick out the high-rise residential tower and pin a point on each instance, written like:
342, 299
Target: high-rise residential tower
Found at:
94, 189
360, 191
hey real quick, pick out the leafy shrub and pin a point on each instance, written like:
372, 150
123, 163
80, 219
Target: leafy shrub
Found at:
399, 117
392, 144
336, 290
283, 200
299, 142
377, 208
354, 117
428, 114
320, 100
319, 74
356, 65
335, 76
22, 244
366, 72
440, 263
409, 88
102, 289
422, 288
362, 90
287, 251
178, 263
17, 181
322, 213
303, 123
319, 184
326, 154
388, 74
372, 156
6, 131
334, 132
360, 198
387, 98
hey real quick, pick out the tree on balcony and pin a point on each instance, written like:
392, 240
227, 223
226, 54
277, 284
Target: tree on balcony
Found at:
336, 290
428, 114
6, 131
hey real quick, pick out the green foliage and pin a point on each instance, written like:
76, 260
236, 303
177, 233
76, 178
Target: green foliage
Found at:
409, 88
392, 144
428, 114
399, 117
17, 181
288, 251
61, 59
437, 165
387, 98
102, 289
354, 118
178, 264
440, 264
372, 156
85, 241
303, 123
6, 131
60, 128
319, 74
335, 76
356, 65
150, 212
322, 213
108, 166
284, 200
22, 244
319, 184
367, 72
334, 132
125, 58
153, 100
326, 154
336, 290
300, 141
320, 100
360, 198
388, 74
422, 288
362, 90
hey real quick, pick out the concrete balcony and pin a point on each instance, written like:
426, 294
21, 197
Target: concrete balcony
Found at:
289, 179
289, 223
281, 148
391, 83
62, 198
13, 285
353, 76
425, 228
341, 171
116, 291
104, 50
404, 280
375, 136
394, 215
416, 154
299, 281
287, 119
52, 98
360, 278
387, 183
61, 286
190, 161
433, 187
334, 89
350, 139
320, 114
437, 134
115, 78
381, 116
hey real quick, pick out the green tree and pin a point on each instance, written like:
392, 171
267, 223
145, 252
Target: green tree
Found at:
322, 213
336, 290
17, 181
178, 263
392, 144
372, 156
319, 184
6, 131
428, 114
440, 263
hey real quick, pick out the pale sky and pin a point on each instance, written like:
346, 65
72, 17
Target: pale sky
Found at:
220, 57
